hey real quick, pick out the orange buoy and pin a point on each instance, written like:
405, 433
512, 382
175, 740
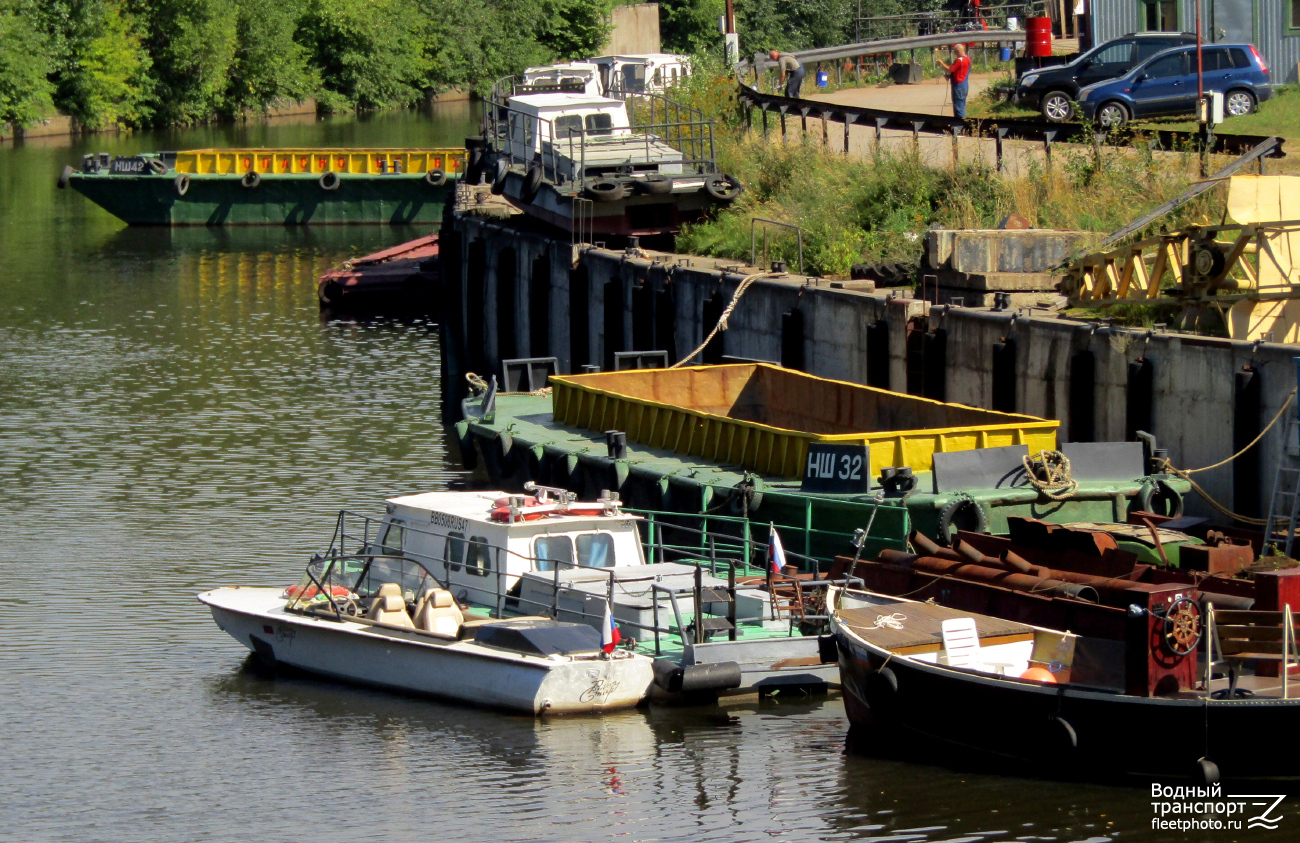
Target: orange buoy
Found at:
1039, 674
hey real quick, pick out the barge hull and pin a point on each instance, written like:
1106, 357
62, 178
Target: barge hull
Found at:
290, 199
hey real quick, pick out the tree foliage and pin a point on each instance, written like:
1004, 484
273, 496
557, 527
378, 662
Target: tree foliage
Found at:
24, 90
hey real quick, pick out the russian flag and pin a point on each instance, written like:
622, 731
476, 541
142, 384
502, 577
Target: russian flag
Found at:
775, 552
609, 634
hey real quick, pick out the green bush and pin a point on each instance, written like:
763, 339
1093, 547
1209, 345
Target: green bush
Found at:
25, 93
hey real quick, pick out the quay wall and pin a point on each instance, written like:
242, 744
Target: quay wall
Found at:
512, 293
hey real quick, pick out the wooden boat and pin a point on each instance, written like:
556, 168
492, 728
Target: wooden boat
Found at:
1034, 699
271, 186
398, 279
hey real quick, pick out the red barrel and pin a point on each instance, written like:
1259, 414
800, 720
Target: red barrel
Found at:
1038, 41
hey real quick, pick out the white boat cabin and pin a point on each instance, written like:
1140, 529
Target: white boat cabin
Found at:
577, 132
573, 77
640, 73
481, 543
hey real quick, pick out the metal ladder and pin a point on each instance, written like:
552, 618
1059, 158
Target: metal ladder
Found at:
706, 625
1284, 502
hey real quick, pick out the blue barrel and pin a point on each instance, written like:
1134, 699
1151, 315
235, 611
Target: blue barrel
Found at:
823, 79
1006, 54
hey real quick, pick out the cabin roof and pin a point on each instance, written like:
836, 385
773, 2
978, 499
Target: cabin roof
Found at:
565, 66
477, 507
542, 102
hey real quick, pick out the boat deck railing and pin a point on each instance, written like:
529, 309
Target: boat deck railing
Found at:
361, 557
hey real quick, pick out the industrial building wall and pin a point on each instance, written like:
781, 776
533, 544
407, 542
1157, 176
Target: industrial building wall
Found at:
635, 30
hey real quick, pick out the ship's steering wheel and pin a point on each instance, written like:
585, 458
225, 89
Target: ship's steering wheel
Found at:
1182, 626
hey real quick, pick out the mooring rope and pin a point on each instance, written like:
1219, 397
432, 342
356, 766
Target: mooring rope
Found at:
1056, 482
726, 314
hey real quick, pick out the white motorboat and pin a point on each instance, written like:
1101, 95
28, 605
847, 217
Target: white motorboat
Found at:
381, 616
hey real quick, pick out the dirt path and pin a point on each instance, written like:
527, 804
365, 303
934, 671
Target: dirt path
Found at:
928, 97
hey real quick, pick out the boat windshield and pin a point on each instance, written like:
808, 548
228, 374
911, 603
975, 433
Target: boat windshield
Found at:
553, 550
359, 576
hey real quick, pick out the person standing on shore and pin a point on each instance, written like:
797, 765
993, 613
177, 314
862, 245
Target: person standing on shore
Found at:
959, 78
792, 72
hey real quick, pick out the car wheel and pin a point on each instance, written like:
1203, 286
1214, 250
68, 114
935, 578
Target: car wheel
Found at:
1056, 107
1112, 115
1238, 103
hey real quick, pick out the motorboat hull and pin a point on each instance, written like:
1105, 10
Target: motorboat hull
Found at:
461, 671
1064, 730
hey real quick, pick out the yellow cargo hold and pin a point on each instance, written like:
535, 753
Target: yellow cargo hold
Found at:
762, 417
341, 161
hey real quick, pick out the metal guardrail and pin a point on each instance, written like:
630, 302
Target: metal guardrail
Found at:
890, 45
753, 240
996, 128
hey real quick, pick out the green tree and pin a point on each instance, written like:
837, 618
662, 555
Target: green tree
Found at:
270, 68
192, 43
369, 54
105, 73
571, 29
690, 26
25, 93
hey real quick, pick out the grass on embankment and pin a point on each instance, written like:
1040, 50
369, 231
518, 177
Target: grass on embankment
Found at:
853, 210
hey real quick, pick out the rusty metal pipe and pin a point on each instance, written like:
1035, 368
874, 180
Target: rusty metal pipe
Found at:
993, 576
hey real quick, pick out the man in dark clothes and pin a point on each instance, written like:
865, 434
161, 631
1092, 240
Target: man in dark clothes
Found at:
791, 72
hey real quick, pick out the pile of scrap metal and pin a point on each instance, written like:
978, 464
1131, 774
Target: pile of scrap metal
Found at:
1082, 577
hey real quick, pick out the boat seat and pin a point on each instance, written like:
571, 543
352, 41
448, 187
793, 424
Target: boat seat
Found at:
961, 646
389, 607
437, 612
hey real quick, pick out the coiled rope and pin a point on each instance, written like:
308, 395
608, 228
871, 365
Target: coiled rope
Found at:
1049, 473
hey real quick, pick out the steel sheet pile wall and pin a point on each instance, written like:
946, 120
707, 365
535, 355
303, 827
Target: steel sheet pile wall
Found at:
1192, 402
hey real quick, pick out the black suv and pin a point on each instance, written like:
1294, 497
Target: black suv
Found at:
1052, 90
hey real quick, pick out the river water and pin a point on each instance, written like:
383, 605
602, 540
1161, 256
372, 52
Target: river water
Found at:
175, 416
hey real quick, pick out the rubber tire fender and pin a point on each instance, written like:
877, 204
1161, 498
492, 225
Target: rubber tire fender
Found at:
880, 689
499, 181
532, 183
604, 190
723, 187
1159, 489
156, 167
949, 513
435, 178
329, 180
251, 180
65, 176
657, 184
182, 184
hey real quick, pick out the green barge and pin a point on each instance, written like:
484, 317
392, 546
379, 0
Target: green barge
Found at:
767, 444
271, 186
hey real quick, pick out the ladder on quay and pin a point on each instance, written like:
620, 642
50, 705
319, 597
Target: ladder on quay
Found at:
1284, 501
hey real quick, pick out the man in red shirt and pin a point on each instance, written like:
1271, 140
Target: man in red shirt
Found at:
959, 78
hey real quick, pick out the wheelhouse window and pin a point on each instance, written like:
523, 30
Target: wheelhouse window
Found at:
478, 557
568, 126
1160, 15
392, 540
596, 550
453, 552
600, 124
549, 551
1295, 14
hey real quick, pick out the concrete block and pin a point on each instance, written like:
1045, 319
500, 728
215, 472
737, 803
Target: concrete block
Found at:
996, 251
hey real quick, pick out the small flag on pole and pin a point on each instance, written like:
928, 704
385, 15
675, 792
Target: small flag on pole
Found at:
609, 634
775, 552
